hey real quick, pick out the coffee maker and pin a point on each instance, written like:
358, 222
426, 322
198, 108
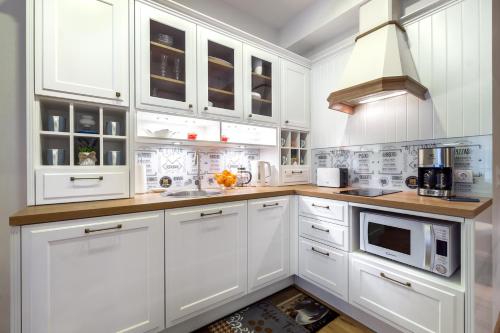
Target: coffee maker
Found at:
435, 171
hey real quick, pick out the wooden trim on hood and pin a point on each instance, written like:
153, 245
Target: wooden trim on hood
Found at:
380, 26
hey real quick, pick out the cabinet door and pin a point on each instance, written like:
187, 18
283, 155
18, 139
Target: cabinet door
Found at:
295, 87
166, 60
94, 275
82, 49
403, 300
219, 74
205, 257
260, 86
268, 241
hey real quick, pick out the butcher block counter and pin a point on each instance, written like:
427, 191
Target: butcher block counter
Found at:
155, 201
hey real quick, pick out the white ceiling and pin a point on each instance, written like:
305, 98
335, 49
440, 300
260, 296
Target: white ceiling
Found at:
275, 13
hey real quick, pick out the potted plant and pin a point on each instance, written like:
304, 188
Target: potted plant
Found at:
86, 154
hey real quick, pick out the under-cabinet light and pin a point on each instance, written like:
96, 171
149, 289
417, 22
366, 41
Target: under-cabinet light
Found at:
384, 95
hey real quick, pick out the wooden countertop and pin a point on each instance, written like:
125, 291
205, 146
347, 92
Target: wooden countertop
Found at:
150, 202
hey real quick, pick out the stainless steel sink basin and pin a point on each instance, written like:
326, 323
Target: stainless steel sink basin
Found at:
193, 193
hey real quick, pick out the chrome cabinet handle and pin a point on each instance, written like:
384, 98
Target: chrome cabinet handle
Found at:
205, 108
209, 214
286, 121
319, 206
190, 106
88, 230
249, 116
320, 252
320, 229
405, 284
270, 205
86, 178
118, 94
296, 172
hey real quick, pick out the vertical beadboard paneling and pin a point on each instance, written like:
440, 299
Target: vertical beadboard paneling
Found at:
470, 70
424, 69
398, 105
412, 118
438, 83
375, 120
454, 118
485, 66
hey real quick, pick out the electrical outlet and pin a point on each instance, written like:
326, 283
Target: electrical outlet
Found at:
463, 176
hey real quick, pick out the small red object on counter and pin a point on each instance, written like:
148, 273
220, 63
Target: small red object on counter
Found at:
192, 136
224, 138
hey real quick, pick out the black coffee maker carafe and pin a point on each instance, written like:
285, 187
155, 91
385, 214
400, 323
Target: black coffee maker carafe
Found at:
435, 171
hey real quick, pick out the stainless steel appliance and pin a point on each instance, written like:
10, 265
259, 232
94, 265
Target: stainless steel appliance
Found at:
368, 192
424, 243
435, 171
332, 177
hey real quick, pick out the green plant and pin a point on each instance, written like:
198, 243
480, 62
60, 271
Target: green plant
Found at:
86, 145
86, 149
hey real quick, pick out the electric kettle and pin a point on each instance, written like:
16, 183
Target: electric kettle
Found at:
261, 173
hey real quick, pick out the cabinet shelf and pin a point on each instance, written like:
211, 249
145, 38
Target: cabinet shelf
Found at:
219, 64
114, 137
220, 91
86, 135
260, 76
166, 47
52, 133
262, 100
167, 79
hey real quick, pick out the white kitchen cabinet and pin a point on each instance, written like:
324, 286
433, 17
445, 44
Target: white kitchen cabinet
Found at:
400, 298
295, 91
220, 72
205, 257
166, 61
324, 266
326, 209
94, 275
81, 50
268, 241
325, 232
260, 85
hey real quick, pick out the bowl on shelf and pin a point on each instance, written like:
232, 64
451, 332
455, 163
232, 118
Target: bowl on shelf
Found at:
256, 95
165, 39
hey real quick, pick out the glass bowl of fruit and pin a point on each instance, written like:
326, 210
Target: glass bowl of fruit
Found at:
226, 179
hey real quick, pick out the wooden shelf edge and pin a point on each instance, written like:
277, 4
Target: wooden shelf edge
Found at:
210, 61
263, 100
167, 79
166, 47
220, 91
264, 77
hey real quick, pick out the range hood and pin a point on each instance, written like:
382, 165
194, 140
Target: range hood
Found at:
381, 65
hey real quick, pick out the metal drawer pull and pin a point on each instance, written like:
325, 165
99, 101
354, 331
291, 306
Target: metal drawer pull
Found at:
208, 214
406, 284
320, 229
86, 178
319, 206
88, 231
320, 252
296, 172
270, 205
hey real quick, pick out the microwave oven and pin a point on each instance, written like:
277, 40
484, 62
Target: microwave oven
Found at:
428, 244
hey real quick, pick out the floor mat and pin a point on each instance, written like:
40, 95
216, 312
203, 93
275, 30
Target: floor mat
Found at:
288, 311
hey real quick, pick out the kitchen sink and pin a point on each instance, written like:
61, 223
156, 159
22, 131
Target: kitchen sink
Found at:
193, 193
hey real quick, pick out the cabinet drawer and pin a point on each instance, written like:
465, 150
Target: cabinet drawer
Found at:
67, 186
293, 176
324, 208
325, 232
324, 266
403, 300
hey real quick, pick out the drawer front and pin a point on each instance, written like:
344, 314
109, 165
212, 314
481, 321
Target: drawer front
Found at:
324, 266
66, 186
324, 208
293, 176
403, 301
325, 232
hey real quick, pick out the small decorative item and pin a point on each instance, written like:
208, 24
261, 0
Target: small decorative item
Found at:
302, 143
165, 39
224, 138
86, 124
164, 65
114, 157
257, 66
55, 156
165, 182
283, 142
284, 160
177, 68
192, 136
56, 123
113, 128
86, 154
226, 179
295, 161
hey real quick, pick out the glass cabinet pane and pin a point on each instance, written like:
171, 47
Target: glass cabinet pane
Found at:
167, 62
261, 87
220, 76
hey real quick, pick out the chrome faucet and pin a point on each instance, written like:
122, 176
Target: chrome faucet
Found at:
197, 159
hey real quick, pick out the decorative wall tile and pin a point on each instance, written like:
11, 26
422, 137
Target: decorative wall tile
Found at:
389, 165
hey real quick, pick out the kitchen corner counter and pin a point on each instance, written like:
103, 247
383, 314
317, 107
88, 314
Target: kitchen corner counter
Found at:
150, 202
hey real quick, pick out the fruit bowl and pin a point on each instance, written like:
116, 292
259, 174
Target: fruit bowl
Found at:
226, 179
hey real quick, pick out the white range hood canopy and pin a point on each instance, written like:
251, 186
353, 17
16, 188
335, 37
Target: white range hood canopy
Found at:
381, 65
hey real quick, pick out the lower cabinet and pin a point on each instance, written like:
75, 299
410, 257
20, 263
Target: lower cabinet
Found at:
205, 257
94, 275
268, 241
402, 299
324, 266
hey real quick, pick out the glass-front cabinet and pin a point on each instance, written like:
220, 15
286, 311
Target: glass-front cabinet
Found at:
166, 57
260, 85
219, 74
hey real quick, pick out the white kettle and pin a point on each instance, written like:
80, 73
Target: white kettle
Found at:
261, 173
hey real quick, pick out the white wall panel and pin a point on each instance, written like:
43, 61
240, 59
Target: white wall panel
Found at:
451, 48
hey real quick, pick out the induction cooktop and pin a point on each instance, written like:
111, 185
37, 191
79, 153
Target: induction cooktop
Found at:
368, 192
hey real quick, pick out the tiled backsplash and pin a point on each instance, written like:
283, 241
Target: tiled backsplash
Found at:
178, 163
389, 165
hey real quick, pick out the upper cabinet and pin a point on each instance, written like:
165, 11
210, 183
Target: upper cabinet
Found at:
295, 110
260, 85
219, 74
166, 60
81, 49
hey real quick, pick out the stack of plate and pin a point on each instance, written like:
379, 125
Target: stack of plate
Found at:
165, 39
